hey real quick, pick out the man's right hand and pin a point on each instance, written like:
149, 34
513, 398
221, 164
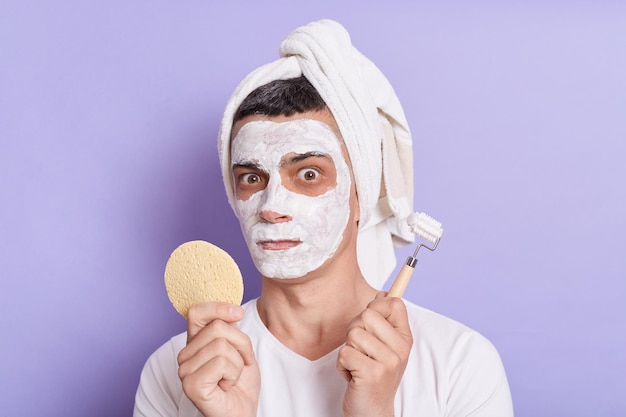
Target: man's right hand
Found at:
217, 368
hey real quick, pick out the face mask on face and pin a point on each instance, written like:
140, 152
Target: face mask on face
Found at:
316, 223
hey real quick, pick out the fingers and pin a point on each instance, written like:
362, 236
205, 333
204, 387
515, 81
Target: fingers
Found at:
216, 350
352, 362
393, 309
386, 320
208, 319
373, 342
375, 355
219, 352
200, 315
380, 335
217, 369
212, 338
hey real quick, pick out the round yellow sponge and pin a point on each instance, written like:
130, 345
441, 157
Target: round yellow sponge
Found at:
199, 272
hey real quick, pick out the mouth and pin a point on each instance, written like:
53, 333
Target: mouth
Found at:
277, 244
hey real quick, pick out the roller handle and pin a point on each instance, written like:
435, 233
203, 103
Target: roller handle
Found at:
402, 280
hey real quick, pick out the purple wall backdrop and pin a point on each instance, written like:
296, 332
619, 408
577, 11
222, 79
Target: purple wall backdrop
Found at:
108, 117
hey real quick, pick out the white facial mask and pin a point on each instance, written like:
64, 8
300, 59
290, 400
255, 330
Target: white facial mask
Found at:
317, 222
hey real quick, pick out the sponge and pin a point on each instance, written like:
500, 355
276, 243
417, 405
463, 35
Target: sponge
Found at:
198, 272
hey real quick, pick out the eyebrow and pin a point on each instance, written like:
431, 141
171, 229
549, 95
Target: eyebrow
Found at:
302, 156
248, 165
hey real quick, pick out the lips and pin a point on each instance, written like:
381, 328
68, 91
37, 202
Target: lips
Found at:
278, 244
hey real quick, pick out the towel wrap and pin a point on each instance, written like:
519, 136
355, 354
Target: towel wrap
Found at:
373, 126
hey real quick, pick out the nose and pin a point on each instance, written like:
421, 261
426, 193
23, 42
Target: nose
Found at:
270, 216
273, 207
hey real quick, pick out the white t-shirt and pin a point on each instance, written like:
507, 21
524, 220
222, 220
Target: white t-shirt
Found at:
452, 371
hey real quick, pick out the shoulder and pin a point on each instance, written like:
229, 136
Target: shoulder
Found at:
466, 362
159, 389
438, 327
449, 337
163, 361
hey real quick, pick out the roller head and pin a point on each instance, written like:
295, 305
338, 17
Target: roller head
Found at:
425, 226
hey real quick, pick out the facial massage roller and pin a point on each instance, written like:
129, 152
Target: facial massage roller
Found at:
428, 229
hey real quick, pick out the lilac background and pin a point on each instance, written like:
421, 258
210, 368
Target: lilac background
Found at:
108, 117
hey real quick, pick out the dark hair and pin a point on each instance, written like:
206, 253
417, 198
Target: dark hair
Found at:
281, 97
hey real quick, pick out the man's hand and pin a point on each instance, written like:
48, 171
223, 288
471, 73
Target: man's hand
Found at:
217, 368
374, 357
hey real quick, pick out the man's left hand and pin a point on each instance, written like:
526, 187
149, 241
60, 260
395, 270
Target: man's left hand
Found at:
374, 357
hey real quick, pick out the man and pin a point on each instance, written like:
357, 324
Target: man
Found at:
314, 157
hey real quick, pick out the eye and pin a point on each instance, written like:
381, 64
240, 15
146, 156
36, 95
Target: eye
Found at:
250, 179
308, 174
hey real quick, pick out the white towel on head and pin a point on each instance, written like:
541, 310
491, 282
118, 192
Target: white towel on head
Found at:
373, 127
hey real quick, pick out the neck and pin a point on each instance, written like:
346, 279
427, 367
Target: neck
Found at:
310, 315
